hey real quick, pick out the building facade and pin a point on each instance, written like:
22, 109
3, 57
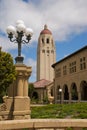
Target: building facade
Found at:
46, 55
41, 90
71, 77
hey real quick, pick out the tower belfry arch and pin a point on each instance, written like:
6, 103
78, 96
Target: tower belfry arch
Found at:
46, 55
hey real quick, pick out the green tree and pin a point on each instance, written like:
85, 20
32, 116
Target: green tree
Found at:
7, 72
30, 90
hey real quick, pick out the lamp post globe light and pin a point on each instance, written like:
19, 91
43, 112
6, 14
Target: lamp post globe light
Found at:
20, 35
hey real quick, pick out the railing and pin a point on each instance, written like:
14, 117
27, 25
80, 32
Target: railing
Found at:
53, 124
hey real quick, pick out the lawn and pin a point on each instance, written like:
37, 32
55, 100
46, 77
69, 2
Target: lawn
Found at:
75, 110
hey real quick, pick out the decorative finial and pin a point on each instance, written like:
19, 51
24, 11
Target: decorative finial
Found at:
45, 26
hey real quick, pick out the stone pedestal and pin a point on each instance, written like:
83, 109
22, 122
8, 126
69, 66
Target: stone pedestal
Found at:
17, 104
50, 99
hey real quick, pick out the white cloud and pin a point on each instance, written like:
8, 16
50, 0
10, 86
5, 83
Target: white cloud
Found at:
6, 44
63, 18
32, 63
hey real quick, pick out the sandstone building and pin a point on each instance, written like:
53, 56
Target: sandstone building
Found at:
71, 77
69, 74
46, 56
41, 89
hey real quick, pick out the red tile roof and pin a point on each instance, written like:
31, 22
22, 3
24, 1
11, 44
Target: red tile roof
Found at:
41, 83
45, 31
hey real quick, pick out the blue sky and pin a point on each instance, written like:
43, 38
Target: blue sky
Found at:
67, 20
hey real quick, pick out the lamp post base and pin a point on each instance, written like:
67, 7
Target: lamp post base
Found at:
17, 104
19, 60
15, 108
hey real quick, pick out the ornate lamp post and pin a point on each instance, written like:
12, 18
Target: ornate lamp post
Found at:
18, 91
60, 91
17, 35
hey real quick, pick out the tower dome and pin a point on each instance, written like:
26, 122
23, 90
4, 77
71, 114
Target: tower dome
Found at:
46, 30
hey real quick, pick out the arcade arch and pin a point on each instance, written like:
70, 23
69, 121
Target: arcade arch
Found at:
65, 92
35, 95
74, 94
83, 87
57, 92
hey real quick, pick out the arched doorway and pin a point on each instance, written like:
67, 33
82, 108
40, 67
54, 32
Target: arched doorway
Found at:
65, 91
74, 91
35, 95
83, 90
57, 92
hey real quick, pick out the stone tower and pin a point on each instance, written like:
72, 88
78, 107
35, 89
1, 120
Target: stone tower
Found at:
46, 55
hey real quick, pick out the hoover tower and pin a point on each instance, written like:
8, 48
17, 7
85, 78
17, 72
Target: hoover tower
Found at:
46, 55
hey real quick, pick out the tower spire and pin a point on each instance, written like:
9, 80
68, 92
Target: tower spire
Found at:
45, 26
45, 30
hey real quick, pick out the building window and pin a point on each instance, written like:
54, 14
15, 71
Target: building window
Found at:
64, 70
47, 40
58, 72
82, 63
48, 51
42, 40
72, 67
43, 51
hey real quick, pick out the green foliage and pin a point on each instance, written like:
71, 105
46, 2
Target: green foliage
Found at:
34, 101
7, 72
25, 129
30, 90
75, 110
45, 100
69, 128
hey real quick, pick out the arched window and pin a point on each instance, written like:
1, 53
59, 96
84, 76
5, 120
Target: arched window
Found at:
47, 40
42, 40
43, 51
48, 51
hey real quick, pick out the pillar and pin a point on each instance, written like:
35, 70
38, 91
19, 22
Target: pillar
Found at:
62, 96
70, 97
19, 86
25, 87
79, 96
